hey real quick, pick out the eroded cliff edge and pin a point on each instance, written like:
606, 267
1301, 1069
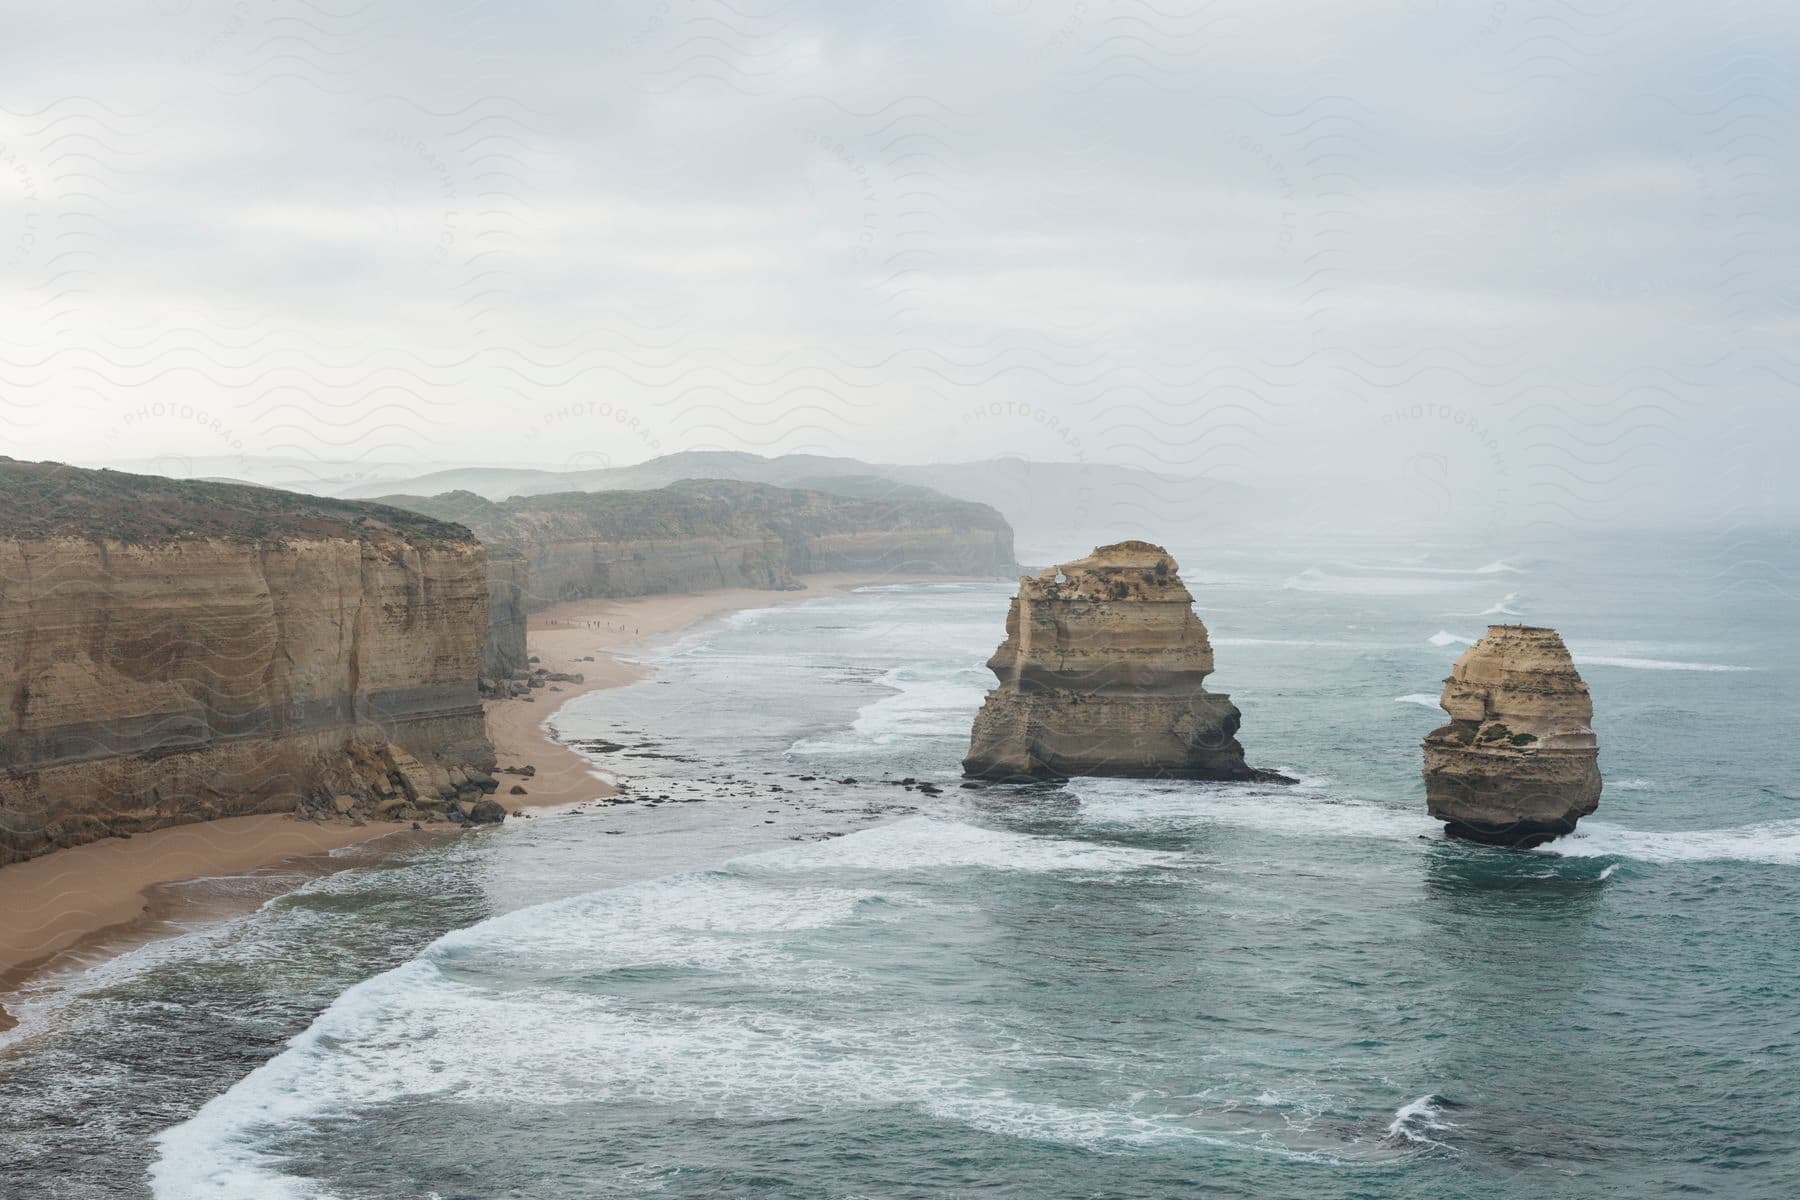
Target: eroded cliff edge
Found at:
177, 651
698, 535
1102, 673
1518, 764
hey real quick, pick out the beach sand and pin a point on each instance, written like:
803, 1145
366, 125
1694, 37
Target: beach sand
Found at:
68, 908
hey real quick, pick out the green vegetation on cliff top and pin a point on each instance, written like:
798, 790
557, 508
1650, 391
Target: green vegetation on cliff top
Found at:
48, 499
704, 506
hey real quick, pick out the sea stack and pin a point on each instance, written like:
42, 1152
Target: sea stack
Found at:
1518, 763
1101, 673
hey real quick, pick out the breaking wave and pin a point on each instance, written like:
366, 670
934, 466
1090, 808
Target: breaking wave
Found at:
1652, 664
1774, 842
558, 978
1414, 1123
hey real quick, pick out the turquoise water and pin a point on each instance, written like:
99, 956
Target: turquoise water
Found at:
777, 986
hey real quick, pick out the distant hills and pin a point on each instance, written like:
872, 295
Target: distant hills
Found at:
1055, 507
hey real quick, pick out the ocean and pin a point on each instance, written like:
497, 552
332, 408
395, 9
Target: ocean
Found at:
780, 973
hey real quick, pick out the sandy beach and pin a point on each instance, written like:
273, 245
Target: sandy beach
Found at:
68, 908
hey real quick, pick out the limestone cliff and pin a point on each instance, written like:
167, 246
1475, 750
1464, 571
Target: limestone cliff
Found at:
175, 651
703, 534
1101, 673
509, 591
1518, 763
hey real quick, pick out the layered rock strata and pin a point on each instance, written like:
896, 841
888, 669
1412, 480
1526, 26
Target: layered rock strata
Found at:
176, 651
698, 535
1518, 764
1102, 673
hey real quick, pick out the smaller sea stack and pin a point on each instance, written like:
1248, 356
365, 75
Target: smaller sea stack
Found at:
1100, 674
1518, 763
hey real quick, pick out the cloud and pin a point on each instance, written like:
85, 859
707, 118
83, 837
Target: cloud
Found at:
1251, 240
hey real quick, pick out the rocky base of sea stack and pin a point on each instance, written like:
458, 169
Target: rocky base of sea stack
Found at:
1029, 738
1520, 836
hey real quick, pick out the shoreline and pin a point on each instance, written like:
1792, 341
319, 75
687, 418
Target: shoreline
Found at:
126, 887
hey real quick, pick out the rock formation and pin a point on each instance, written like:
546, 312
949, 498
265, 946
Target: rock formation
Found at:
175, 651
702, 534
1101, 673
1518, 763
509, 600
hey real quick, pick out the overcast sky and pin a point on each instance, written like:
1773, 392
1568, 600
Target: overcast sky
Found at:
1536, 261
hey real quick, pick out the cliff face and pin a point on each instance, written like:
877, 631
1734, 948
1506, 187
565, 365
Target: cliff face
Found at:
1518, 763
704, 534
1101, 673
509, 583
172, 652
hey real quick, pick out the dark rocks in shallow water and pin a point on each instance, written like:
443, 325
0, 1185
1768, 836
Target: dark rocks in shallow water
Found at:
1518, 764
1102, 673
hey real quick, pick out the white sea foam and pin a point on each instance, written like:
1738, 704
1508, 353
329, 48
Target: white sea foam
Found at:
1415, 1122
1503, 607
426, 1029
1231, 641
1629, 785
1315, 580
1650, 664
46, 1001
926, 843
1426, 699
918, 707
704, 921
1774, 842
876, 589
1493, 568
1444, 637
413, 1033
743, 618
1091, 1129
1305, 809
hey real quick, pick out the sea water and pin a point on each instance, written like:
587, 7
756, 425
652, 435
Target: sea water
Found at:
781, 973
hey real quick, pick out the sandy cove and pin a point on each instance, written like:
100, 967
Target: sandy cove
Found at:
564, 637
72, 907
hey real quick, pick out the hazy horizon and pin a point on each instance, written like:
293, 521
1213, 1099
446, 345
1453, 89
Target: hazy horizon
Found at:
1511, 267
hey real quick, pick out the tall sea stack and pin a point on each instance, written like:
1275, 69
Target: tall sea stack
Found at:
1101, 674
1518, 763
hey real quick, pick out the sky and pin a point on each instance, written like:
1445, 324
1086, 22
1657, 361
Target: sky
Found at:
1504, 262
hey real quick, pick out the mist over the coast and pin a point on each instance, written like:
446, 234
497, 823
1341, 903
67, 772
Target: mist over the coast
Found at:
1517, 265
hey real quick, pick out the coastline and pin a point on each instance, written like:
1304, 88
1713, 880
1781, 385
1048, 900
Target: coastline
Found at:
68, 909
